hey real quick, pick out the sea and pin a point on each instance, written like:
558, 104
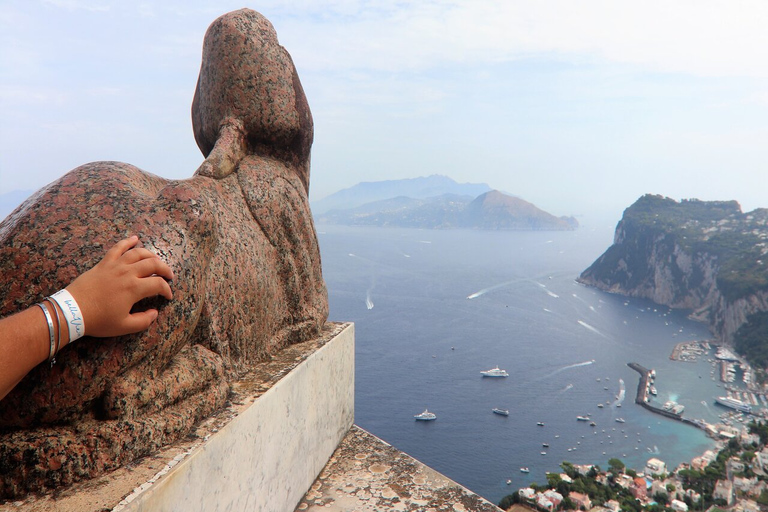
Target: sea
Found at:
434, 308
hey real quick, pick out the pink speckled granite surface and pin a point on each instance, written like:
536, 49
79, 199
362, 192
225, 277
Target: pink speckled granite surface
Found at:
239, 237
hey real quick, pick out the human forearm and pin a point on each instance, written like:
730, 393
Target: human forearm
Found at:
24, 343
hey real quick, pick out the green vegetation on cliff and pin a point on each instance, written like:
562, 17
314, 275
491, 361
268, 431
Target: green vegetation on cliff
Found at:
750, 340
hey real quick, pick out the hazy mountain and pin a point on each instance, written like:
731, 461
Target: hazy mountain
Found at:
491, 210
417, 188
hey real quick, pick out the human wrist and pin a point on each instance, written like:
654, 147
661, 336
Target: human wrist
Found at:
72, 314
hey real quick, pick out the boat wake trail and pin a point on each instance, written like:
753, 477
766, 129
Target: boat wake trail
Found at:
368, 301
568, 367
589, 327
492, 288
566, 388
622, 393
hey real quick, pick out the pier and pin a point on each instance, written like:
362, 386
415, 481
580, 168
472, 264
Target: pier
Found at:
642, 396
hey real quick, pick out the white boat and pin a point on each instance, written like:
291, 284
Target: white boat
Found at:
425, 416
600, 406
495, 372
525, 470
733, 403
582, 418
653, 391
620, 420
502, 412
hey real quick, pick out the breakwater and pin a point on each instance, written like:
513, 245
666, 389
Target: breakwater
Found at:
642, 395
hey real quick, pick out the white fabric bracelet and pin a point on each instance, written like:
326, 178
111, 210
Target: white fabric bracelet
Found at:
72, 314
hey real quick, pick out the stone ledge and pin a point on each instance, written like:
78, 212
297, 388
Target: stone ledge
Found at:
367, 474
263, 451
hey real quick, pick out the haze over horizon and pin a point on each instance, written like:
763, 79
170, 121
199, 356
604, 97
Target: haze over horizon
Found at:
579, 108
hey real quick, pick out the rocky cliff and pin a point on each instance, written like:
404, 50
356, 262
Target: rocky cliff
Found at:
706, 256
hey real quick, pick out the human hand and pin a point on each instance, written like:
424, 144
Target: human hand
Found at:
107, 292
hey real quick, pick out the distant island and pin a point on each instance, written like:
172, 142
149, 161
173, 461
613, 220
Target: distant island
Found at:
705, 256
455, 206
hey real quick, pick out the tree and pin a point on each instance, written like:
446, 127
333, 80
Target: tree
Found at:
671, 488
509, 500
553, 479
615, 465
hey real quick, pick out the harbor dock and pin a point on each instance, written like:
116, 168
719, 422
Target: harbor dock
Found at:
642, 395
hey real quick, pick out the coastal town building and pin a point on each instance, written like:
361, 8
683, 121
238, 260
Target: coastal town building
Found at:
733, 467
724, 491
691, 495
659, 487
639, 488
761, 458
583, 469
543, 502
612, 505
678, 506
655, 467
699, 463
582, 501
746, 506
554, 497
744, 485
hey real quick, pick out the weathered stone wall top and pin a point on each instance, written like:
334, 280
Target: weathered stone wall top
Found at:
365, 474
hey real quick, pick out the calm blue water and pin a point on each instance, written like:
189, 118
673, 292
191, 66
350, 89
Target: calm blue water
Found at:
421, 342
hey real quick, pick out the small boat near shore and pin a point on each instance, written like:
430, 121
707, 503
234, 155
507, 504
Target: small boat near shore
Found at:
426, 416
500, 412
619, 420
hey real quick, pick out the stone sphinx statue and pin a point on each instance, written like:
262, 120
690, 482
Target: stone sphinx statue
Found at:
241, 242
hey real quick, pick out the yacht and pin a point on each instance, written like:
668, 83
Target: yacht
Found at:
582, 418
525, 470
502, 412
733, 403
495, 372
620, 420
425, 416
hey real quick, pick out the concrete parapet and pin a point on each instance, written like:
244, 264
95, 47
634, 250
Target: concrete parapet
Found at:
263, 452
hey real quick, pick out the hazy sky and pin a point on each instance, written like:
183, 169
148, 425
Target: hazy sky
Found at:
576, 106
